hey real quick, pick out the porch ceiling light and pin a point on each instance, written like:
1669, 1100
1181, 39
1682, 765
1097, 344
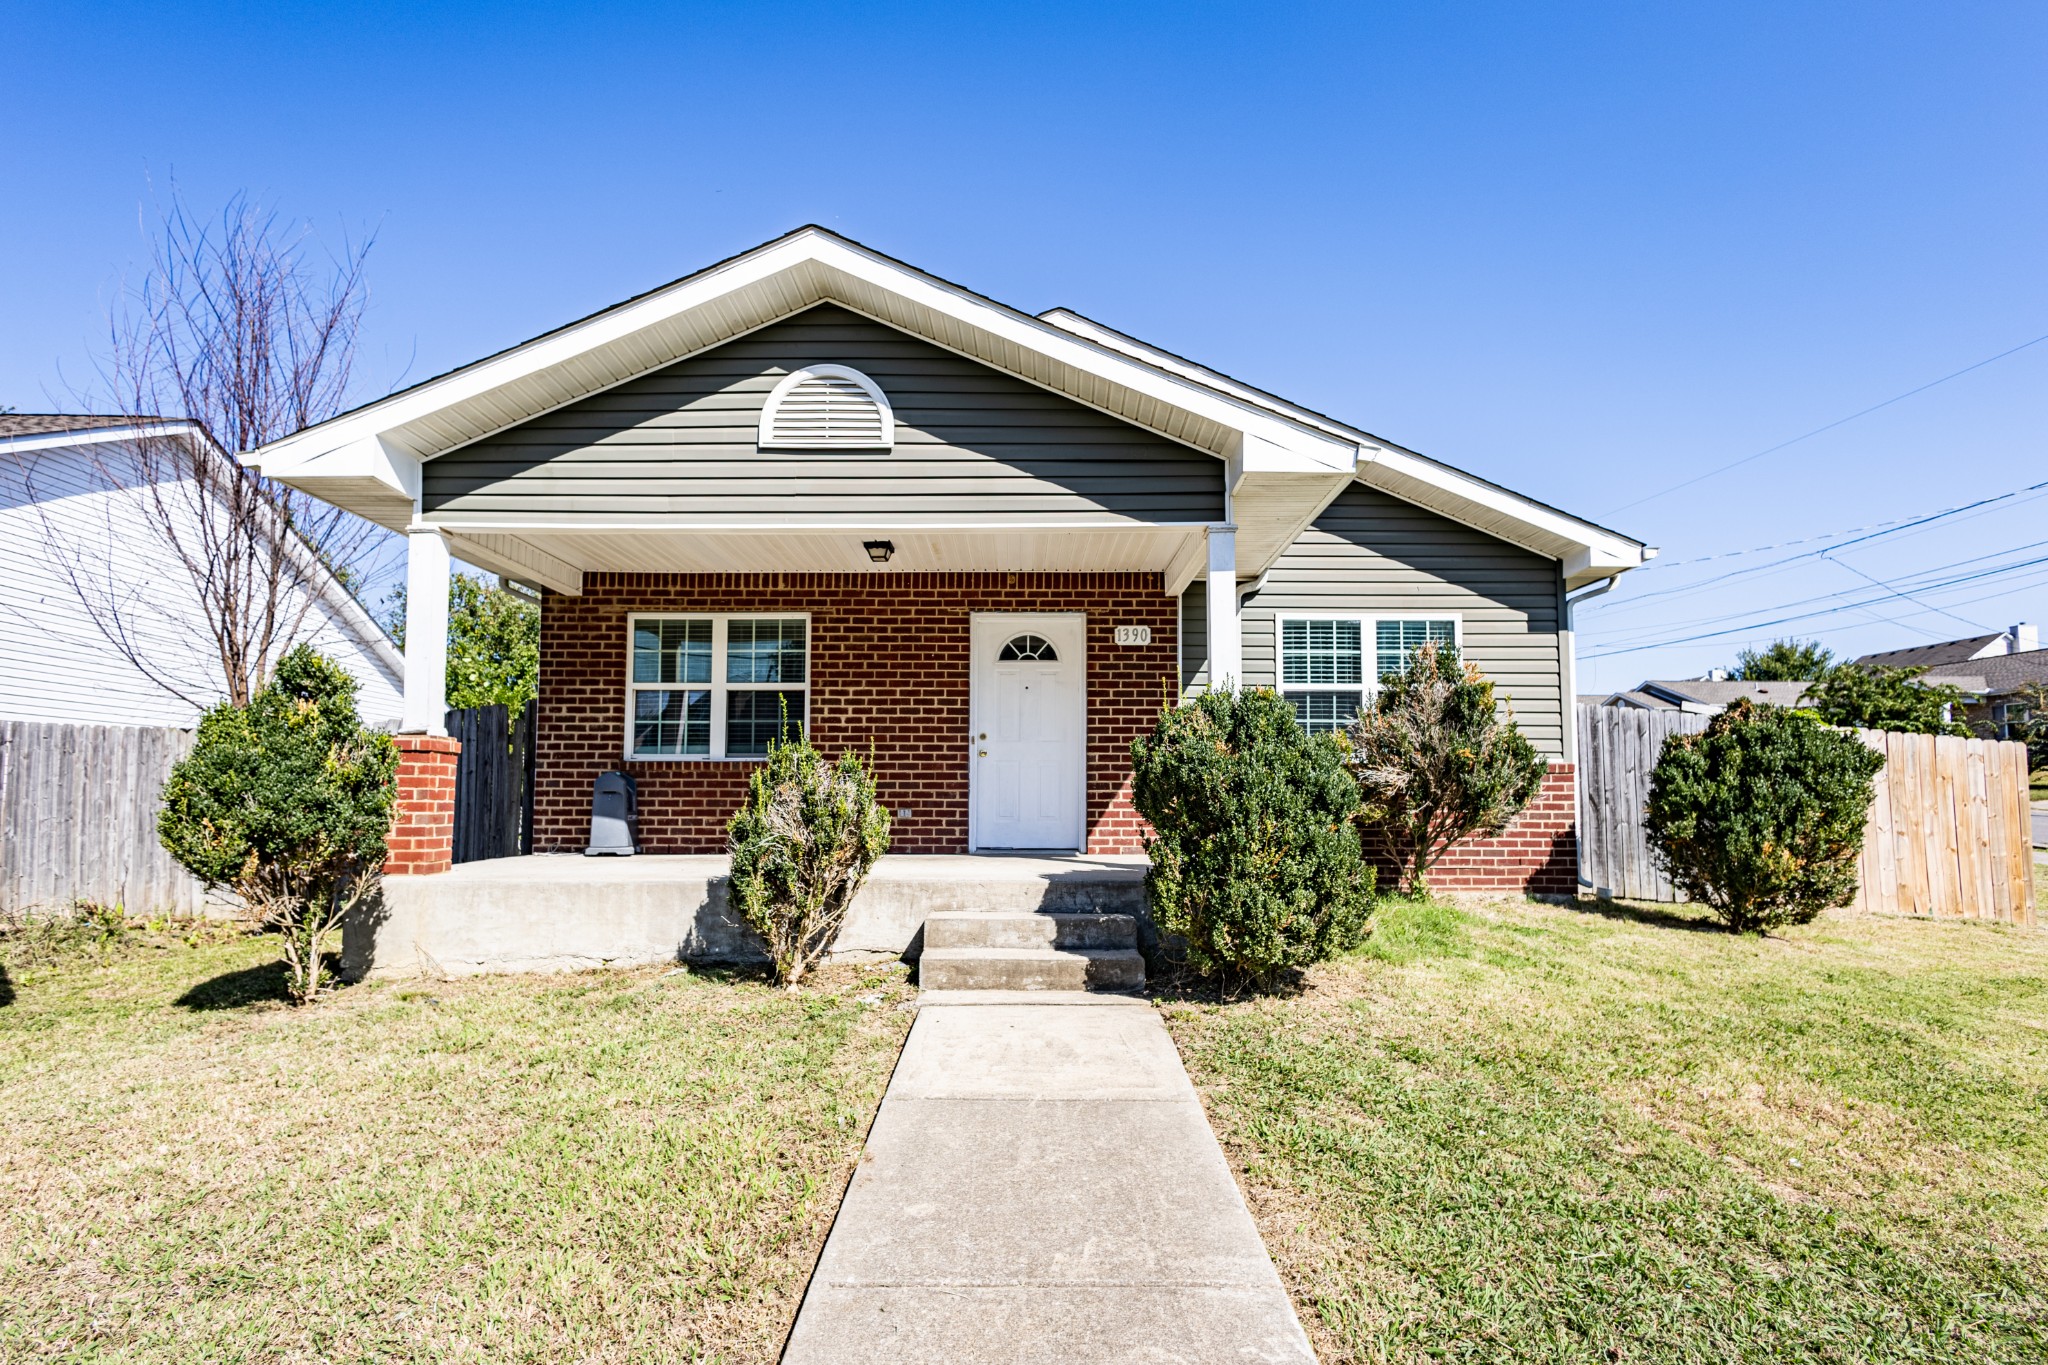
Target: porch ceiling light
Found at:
879, 550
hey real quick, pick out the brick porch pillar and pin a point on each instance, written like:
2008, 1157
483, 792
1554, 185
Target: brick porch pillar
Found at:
423, 814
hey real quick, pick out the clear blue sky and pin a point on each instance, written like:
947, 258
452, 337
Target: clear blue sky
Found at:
1585, 250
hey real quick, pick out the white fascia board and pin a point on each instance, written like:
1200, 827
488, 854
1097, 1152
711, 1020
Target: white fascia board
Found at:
366, 457
515, 558
1308, 447
1191, 560
1313, 448
1595, 550
57, 440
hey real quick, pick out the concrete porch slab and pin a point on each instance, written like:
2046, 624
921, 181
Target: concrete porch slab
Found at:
1041, 1185
566, 912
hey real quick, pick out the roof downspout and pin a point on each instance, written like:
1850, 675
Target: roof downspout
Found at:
1569, 647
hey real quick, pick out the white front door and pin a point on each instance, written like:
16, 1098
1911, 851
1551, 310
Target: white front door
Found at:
1029, 769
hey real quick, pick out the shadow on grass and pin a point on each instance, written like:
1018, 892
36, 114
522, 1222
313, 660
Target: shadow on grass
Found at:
237, 990
1654, 916
1176, 983
256, 985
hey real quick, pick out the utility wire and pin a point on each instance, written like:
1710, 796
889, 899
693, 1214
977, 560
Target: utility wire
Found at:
1924, 580
1840, 421
1887, 527
1813, 615
1612, 607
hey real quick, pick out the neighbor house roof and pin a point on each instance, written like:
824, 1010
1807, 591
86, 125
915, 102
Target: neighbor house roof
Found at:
1708, 695
1284, 463
41, 423
1995, 674
1922, 656
53, 433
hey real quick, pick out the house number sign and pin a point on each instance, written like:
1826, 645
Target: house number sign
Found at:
1134, 635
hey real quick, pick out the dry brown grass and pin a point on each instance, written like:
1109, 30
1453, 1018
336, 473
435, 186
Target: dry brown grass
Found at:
605, 1167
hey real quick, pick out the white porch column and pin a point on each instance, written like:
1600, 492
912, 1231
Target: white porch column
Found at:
1226, 629
426, 631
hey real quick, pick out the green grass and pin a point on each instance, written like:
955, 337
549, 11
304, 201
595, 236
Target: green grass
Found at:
606, 1167
1518, 1132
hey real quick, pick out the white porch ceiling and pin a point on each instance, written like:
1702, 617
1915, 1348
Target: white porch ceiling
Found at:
917, 550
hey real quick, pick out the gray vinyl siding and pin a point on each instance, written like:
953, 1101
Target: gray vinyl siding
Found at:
971, 442
1194, 636
1370, 552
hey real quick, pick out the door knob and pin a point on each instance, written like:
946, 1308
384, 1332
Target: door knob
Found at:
982, 753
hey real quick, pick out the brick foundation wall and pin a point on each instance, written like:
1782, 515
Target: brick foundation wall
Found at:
423, 813
1539, 853
889, 669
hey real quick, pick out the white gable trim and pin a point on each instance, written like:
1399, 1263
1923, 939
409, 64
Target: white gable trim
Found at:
1282, 461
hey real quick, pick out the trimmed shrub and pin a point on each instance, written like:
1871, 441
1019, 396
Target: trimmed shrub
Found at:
1255, 861
1761, 816
803, 843
1877, 698
1436, 763
288, 802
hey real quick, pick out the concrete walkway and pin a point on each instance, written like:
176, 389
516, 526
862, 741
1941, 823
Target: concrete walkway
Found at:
1041, 1185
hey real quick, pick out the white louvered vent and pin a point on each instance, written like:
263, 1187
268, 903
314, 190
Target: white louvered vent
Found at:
827, 407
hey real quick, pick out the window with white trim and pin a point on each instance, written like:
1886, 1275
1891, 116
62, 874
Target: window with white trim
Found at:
827, 407
716, 686
1325, 670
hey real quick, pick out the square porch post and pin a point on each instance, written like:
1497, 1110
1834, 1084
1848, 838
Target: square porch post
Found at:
426, 632
423, 809
1226, 627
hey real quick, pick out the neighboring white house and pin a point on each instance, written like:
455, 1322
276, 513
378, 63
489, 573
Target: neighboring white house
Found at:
1708, 696
72, 510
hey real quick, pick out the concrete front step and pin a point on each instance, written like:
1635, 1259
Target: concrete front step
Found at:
1030, 969
966, 929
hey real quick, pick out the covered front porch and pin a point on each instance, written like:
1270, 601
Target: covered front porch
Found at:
551, 912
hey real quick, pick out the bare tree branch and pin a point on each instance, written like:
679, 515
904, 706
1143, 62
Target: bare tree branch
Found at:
239, 327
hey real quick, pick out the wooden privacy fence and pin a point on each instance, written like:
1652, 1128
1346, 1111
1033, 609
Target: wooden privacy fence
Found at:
1948, 834
1949, 830
78, 808
493, 782
1618, 746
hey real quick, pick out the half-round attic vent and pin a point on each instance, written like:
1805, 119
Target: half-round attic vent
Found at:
827, 407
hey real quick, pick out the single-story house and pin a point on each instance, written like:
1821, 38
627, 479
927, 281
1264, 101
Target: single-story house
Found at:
100, 623
1989, 669
1705, 696
1991, 686
2020, 639
980, 545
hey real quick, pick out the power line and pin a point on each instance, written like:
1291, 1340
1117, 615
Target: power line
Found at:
1612, 607
1895, 523
1840, 421
1925, 580
1814, 615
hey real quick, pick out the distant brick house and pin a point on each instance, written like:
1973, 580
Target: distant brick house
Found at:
812, 482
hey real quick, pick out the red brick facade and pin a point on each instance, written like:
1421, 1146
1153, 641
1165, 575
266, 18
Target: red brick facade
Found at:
889, 663
1539, 854
423, 814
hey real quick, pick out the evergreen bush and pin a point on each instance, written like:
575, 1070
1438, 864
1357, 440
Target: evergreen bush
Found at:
1878, 698
1761, 816
1255, 861
802, 844
1436, 763
287, 801
1784, 661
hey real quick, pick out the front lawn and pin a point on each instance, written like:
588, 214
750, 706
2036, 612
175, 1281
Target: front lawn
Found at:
619, 1166
1519, 1132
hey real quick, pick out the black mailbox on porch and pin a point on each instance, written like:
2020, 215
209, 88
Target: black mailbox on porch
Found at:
614, 817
